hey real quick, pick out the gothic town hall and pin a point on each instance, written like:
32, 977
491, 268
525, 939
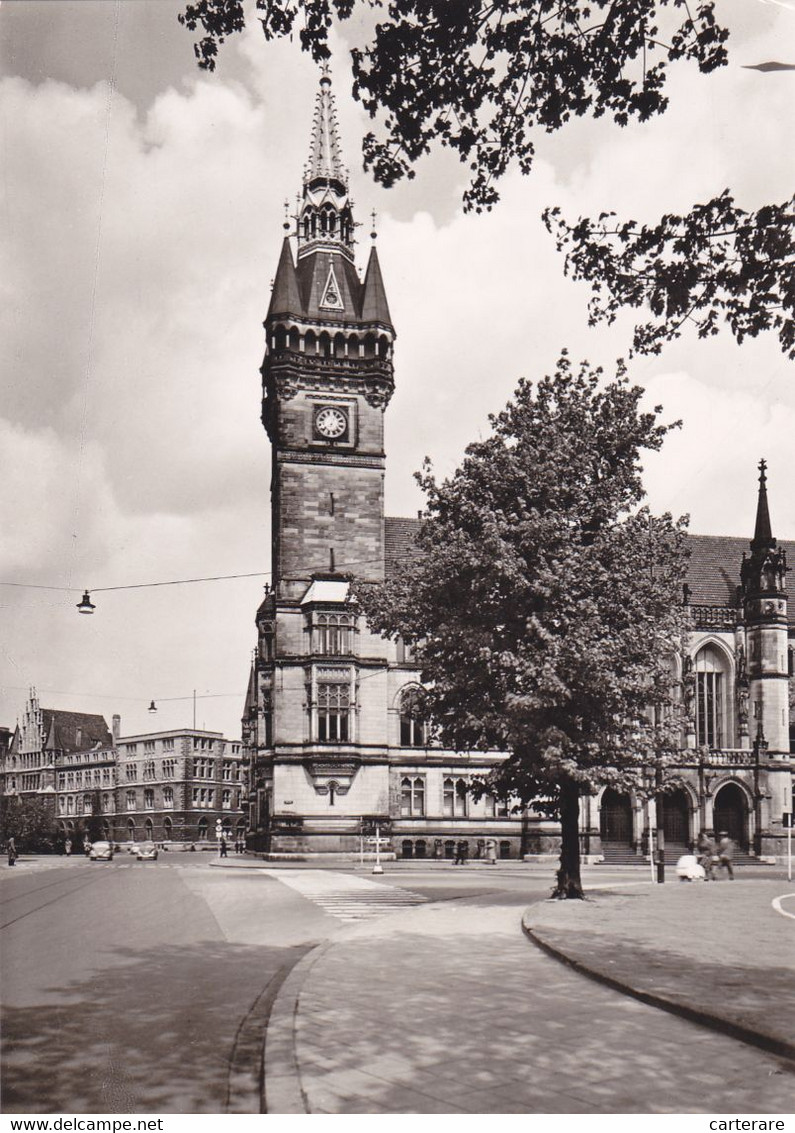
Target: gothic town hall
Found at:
332, 741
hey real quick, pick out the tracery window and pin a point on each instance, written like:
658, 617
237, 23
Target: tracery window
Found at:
454, 798
413, 729
412, 797
333, 711
710, 698
332, 634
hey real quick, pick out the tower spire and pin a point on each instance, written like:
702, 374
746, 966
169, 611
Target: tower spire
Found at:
325, 157
763, 535
324, 215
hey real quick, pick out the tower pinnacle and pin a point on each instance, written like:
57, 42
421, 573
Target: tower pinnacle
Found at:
325, 158
324, 215
763, 535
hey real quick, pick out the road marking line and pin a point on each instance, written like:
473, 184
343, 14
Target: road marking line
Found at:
346, 897
776, 903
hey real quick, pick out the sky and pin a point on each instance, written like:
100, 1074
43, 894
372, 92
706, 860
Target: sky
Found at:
141, 209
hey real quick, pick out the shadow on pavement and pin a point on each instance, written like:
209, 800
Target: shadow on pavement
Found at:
151, 1034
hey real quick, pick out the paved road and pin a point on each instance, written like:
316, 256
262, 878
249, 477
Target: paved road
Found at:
144, 987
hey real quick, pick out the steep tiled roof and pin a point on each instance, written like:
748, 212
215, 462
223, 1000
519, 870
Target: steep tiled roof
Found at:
713, 571
74, 731
399, 535
375, 308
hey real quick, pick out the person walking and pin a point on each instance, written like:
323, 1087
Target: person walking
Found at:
706, 852
726, 854
223, 847
11, 849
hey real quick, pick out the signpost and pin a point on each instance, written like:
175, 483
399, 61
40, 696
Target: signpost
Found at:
787, 819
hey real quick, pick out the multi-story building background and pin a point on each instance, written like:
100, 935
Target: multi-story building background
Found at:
65, 761
173, 786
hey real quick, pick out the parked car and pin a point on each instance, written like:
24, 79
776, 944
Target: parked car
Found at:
147, 852
101, 852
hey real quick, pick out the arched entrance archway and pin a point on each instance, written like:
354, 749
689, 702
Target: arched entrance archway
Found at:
676, 818
615, 817
731, 813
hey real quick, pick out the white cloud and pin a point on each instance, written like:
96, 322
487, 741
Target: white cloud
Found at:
139, 245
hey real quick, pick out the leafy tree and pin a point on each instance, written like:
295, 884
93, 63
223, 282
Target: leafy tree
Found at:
480, 76
544, 607
29, 820
717, 264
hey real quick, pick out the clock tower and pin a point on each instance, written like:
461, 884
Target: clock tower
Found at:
327, 380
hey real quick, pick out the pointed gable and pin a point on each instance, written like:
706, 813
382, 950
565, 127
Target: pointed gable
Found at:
286, 298
375, 308
313, 274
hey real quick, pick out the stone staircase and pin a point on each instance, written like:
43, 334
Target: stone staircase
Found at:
616, 853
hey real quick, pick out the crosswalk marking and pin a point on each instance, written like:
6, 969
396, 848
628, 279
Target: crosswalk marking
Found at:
345, 896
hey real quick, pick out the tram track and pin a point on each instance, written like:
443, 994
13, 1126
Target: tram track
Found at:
44, 904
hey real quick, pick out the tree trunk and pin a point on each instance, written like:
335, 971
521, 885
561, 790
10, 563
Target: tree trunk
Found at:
568, 877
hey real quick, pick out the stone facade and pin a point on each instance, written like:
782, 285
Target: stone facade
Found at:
330, 740
174, 786
170, 787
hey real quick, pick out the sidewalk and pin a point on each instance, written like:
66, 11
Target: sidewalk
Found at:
715, 953
449, 1008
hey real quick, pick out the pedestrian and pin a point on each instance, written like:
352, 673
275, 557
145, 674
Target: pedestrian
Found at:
491, 851
706, 852
68, 847
223, 847
12, 852
726, 854
461, 853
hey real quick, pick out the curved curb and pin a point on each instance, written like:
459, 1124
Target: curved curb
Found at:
281, 1086
769, 1043
245, 1079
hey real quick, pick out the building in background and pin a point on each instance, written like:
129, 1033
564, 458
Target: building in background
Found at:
173, 786
333, 742
170, 786
65, 761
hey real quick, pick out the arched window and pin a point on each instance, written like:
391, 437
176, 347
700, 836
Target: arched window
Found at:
130, 830
333, 788
413, 729
167, 829
149, 829
412, 796
454, 798
420, 848
711, 698
406, 848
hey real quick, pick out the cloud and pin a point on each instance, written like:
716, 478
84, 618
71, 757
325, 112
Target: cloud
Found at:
139, 244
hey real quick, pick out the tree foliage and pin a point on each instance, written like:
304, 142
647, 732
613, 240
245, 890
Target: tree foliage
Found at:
545, 606
29, 820
717, 264
480, 75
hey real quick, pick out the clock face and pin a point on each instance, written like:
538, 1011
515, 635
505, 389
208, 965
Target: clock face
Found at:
331, 423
